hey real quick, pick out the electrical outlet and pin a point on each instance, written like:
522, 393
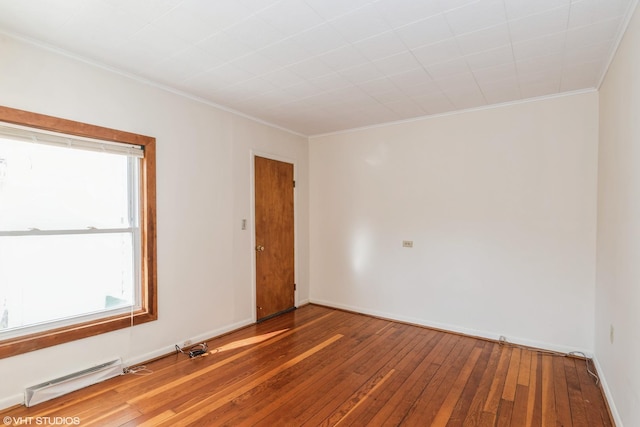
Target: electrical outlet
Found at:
611, 331
407, 243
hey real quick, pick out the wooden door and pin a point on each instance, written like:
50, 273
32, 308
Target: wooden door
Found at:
275, 278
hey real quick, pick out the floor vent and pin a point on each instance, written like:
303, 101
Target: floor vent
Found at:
63, 385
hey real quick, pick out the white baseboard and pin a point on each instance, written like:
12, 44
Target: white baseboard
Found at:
454, 328
607, 394
18, 399
10, 401
141, 358
303, 302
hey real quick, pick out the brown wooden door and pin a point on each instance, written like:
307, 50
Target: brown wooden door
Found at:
275, 279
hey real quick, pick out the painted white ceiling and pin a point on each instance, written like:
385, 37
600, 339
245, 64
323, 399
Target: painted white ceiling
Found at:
318, 66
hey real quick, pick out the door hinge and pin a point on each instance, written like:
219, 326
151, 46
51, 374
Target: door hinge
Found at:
295, 287
294, 184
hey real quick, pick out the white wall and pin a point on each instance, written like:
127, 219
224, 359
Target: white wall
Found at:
618, 253
205, 281
501, 207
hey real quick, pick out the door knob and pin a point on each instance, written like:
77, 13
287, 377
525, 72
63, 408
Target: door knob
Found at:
259, 248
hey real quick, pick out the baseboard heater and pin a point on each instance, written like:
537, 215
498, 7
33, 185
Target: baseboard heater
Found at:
72, 382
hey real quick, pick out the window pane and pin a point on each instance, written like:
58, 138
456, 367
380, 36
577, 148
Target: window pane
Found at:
56, 188
46, 278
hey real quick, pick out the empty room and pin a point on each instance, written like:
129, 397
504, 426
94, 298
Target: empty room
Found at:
320, 212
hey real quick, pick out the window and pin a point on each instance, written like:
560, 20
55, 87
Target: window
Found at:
77, 230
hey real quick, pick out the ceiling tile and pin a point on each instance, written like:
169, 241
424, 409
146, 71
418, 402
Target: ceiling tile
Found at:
39, 22
495, 74
591, 34
218, 78
435, 53
285, 52
460, 82
541, 64
589, 53
362, 73
392, 95
427, 31
310, 68
180, 66
145, 9
539, 25
351, 96
449, 68
409, 79
398, 63
378, 113
319, 39
113, 21
547, 74
406, 108
302, 90
402, 12
488, 38
157, 42
361, 24
218, 14
77, 30
343, 57
330, 9
86, 39
463, 91
490, 58
183, 24
224, 46
543, 87
503, 91
521, 8
381, 45
256, 63
324, 65
254, 33
271, 99
250, 88
539, 47
290, 16
582, 75
454, 4
282, 78
467, 99
255, 6
435, 103
475, 16
332, 81
374, 87
129, 57
426, 88
587, 12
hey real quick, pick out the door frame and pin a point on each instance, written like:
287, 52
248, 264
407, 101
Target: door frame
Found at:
252, 228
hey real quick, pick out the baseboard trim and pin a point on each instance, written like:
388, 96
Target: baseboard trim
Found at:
164, 351
613, 411
8, 402
492, 336
159, 353
303, 302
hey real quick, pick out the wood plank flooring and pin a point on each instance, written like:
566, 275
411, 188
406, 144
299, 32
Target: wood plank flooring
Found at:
318, 366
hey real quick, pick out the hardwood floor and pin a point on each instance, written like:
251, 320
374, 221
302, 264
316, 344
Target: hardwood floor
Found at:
322, 367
